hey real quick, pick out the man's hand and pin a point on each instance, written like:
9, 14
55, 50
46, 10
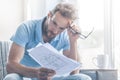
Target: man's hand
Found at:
73, 32
45, 74
75, 72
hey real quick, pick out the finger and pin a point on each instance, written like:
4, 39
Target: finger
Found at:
43, 78
51, 74
75, 29
47, 78
51, 71
42, 75
48, 73
46, 70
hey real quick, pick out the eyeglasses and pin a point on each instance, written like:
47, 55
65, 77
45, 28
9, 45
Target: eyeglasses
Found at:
81, 35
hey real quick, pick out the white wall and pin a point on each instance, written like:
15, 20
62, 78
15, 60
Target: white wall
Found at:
11, 14
40, 8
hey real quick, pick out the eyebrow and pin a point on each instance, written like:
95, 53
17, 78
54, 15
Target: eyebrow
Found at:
62, 28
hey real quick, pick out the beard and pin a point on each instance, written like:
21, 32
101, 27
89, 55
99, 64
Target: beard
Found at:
48, 33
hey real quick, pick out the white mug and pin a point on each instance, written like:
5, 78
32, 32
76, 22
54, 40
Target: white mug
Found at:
101, 61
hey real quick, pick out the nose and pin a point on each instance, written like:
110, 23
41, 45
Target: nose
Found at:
56, 30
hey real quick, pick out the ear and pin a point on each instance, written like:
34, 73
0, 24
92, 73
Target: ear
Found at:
49, 14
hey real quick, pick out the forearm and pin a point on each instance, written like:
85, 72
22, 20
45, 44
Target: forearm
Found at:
22, 70
73, 54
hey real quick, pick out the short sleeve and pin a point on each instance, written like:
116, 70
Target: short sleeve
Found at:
66, 46
21, 35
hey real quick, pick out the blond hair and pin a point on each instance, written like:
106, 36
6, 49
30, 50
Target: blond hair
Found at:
67, 10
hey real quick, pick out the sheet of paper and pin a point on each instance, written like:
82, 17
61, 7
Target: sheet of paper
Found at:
47, 56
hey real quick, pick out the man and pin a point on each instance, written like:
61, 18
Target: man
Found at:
55, 29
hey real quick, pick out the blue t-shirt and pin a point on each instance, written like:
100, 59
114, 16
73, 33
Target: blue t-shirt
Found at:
29, 34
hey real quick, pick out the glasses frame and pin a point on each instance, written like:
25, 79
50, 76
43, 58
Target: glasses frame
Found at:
82, 36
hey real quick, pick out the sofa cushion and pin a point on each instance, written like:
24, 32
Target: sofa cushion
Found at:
101, 74
91, 73
4, 49
0, 63
107, 74
0, 72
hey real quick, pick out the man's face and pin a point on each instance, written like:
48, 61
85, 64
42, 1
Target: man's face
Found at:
56, 24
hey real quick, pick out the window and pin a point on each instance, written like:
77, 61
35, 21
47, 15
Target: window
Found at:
116, 30
91, 14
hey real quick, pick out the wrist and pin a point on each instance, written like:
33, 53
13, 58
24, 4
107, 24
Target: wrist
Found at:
73, 43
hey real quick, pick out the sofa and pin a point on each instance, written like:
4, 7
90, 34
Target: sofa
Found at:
4, 48
95, 74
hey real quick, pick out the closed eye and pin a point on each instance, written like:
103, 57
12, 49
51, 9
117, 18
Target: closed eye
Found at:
54, 23
62, 28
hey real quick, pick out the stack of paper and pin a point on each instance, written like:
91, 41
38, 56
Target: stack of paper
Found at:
48, 57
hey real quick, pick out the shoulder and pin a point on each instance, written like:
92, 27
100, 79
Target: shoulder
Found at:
28, 25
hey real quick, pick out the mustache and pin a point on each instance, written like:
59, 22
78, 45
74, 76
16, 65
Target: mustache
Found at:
51, 34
